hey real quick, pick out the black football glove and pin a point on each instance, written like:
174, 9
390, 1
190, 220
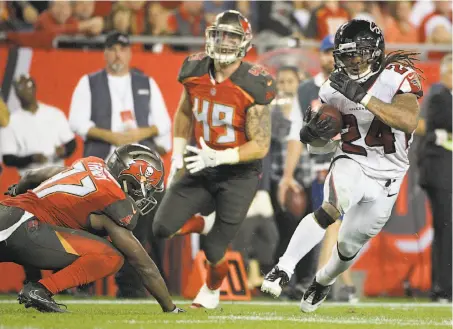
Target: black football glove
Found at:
346, 86
315, 128
12, 190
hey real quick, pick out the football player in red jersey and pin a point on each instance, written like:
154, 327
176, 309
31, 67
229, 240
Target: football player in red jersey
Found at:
223, 105
58, 218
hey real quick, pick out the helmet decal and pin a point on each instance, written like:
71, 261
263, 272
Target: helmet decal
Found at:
143, 172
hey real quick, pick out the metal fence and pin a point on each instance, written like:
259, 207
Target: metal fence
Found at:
263, 42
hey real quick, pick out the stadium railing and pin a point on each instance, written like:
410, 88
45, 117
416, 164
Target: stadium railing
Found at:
262, 44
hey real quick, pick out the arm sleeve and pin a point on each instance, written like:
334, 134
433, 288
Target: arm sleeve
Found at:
296, 121
80, 108
159, 117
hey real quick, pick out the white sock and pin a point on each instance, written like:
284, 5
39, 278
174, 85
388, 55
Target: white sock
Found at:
307, 235
334, 267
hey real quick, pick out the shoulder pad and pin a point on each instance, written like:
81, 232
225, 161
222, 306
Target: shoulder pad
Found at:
406, 80
256, 81
195, 65
123, 212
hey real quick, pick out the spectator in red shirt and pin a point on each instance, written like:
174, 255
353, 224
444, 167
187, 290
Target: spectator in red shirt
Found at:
326, 19
188, 19
137, 11
58, 19
120, 19
83, 10
436, 27
156, 25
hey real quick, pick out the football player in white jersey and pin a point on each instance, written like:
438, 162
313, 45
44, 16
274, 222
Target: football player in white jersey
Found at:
377, 97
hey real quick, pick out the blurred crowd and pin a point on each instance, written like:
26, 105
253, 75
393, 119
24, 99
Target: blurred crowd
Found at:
403, 21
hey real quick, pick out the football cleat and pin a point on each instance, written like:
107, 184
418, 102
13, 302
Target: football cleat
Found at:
314, 296
177, 310
206, 298
274, 281
35, 295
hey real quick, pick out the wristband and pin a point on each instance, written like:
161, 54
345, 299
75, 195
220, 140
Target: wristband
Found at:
228, 156
365, 100
179, 145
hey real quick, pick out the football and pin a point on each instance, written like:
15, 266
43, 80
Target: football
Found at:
326, 111
296, 203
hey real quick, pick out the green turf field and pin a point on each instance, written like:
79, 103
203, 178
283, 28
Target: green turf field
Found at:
100, 314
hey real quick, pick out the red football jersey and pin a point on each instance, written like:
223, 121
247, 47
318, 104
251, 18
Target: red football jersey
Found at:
220, 109
68, 198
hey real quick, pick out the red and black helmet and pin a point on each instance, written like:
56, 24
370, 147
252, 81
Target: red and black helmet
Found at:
229, 38
140, 173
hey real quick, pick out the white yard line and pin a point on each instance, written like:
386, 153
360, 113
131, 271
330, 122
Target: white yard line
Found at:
384, 321
257, 303
331, 320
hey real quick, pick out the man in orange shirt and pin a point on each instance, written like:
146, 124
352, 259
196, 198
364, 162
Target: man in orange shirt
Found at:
400, 29
436, 27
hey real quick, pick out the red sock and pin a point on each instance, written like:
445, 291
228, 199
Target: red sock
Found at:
85, 269
216, 274
194, 225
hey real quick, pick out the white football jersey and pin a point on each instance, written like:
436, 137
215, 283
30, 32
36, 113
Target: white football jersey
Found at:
380, 150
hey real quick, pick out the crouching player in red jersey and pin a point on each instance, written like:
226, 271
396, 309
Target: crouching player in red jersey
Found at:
59, 218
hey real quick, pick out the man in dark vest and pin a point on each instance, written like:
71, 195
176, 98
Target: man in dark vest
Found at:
434, 160
117, 106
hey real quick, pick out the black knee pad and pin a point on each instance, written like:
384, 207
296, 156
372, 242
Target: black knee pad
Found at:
323, 218
161, 231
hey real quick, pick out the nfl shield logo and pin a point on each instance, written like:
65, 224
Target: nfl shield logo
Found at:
213, 91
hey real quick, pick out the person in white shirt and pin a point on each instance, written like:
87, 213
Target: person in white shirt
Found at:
37, 134
124, 126
116, 106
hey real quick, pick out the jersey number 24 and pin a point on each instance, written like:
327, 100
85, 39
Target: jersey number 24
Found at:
378, 135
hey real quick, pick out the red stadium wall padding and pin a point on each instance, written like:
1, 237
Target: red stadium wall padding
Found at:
57, 72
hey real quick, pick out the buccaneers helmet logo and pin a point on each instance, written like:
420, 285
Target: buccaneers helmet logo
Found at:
143, 172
